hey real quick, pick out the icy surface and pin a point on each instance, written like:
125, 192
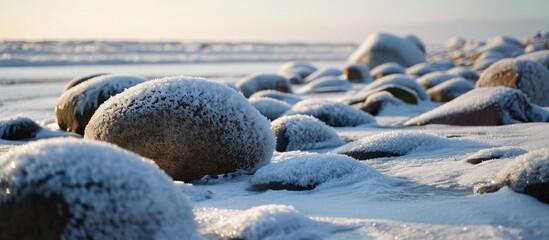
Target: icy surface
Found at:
269, 107
326, 170
304, 132
109, 192
334, 114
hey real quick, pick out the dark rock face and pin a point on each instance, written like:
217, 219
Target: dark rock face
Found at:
365, 155
18, 128
529, 76
77, 105
190, 127
80, 79
33, 217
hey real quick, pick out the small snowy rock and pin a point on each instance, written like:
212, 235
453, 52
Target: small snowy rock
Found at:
76, 106
17, 128
80, 79
494, 153
375, 102
323, 72
387, 69
432, 79
263, 81
286, 97
402, 80
327, 84
357, 73
269, 107
334, 114
302, 132
75, 189
420, 69
465, 72
189, 126
450, 89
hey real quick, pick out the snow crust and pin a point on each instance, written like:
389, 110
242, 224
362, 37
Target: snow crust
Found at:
306, 169
306, 132
110, 192
334, 114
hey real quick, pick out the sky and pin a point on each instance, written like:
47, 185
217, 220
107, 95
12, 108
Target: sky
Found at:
434, 21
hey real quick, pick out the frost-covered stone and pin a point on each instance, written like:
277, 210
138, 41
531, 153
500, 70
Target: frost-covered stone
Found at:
483, 64
398, 79
302, 132
494, 153
327, 84
443, 65
416, 41
263, 81
454, 43
540, 56
529, 76
375, 102
302, 69
75, 189
400, 92
267, 222
80, 79
420, 69
334, 114
17, 128
387, 69
432, 79
380, 48
500, 39
357, 73
323, 72
465, 72
528, 174
505, 49
450, 89
190, 127
269, 107
286, 97
305, 171
482, 107
391, 144
76, 106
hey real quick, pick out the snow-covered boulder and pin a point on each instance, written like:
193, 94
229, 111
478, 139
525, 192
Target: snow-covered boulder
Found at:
17, 128
267, 222
450, 89
486, 60
529, 76
375, 102
302, 132
501, 39
379, 48
76, 106
80, 79
420, 69
77, 189
306, 170
443, 65
263, 81
190, 127
398, 79
286, 97
540, 56
334, 114
323, 72
505, 49
357, 73
387, 69
392, 144
327, 84
482, 107
398, 91
455, 43
494, 153
432, 79
528, 174
465, 72
269, 107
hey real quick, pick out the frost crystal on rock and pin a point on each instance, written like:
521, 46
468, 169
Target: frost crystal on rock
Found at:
302, 132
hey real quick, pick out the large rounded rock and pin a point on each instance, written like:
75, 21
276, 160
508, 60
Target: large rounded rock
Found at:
528, 174
379, 48
74, 189
540, 56
190, 127
416, 41
80, 79
529, 76
17, 128
482, 107
334, 114
263, 81
302, 132
76, 106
